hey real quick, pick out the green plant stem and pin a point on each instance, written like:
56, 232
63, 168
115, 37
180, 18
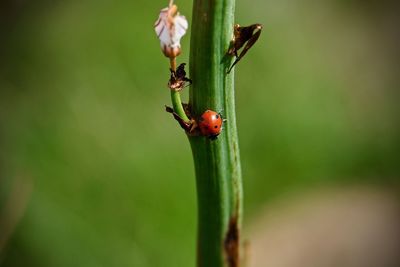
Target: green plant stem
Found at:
177, 105
217, 162
175, 95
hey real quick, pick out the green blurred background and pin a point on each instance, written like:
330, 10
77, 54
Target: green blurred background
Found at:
94, 172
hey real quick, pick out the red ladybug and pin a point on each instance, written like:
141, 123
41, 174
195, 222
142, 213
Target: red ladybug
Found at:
210, 124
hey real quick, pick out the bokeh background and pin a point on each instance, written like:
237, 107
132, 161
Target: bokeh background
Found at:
93, 172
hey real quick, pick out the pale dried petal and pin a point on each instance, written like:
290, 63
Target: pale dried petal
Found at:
181, 26
170, 27
161, 24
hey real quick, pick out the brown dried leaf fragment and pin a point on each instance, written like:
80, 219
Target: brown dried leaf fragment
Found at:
178, 79
243, 36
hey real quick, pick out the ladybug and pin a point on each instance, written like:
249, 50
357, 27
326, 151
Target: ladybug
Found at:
210, 124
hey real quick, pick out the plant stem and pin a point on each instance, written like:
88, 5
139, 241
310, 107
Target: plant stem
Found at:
176, 96
177, 105
217, 163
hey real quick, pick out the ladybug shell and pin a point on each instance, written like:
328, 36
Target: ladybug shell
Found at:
210, 123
